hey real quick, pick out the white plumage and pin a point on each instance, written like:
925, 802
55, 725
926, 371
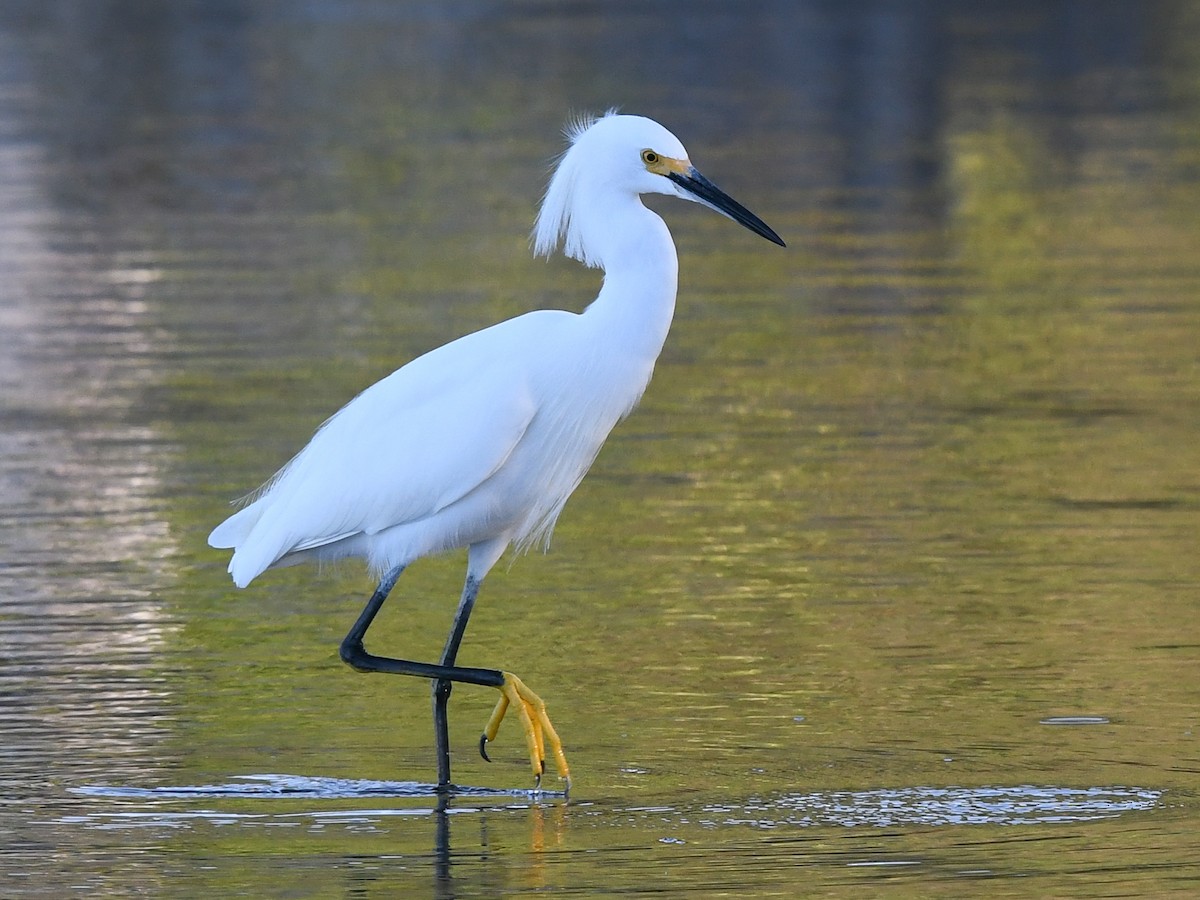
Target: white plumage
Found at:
460, 446
482, 440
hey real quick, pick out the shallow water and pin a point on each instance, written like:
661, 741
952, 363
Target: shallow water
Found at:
889, 586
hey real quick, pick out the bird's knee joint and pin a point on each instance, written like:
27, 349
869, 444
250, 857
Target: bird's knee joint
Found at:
352, 654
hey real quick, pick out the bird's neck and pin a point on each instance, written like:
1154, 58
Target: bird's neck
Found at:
641, 270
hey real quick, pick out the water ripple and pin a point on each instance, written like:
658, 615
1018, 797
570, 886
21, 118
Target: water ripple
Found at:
1025, 804
1016, 805
303, 787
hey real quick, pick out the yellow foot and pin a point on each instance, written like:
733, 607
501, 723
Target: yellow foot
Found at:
538, 730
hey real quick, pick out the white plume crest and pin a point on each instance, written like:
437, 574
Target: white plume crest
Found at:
555, 221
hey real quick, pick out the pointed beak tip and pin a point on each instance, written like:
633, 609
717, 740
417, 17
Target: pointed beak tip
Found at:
758, 226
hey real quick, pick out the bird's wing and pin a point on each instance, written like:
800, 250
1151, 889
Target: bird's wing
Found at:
406, 447
385, 460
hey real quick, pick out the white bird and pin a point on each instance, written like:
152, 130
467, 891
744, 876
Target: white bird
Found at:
480, 442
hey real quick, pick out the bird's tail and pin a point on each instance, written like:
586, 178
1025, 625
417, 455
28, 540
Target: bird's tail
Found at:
232, 534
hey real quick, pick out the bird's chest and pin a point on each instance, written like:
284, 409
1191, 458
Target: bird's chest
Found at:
577, 409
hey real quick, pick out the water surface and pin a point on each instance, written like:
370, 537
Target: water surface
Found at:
890, 584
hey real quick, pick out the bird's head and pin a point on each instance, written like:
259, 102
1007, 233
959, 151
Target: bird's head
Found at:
619, 154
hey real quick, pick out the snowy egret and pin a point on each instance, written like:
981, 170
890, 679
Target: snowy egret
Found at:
479, 443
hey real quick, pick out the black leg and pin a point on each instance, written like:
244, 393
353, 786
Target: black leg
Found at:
354, 655
443, 686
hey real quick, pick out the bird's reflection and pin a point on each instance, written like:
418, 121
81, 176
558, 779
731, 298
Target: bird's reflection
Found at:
547, 825
441, 848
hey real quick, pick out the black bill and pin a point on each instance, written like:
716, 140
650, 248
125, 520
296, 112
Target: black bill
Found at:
712, 196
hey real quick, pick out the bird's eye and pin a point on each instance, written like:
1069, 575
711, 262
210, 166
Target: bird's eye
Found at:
650, 158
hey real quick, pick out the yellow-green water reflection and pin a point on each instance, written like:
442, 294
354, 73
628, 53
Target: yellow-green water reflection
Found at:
897, 500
